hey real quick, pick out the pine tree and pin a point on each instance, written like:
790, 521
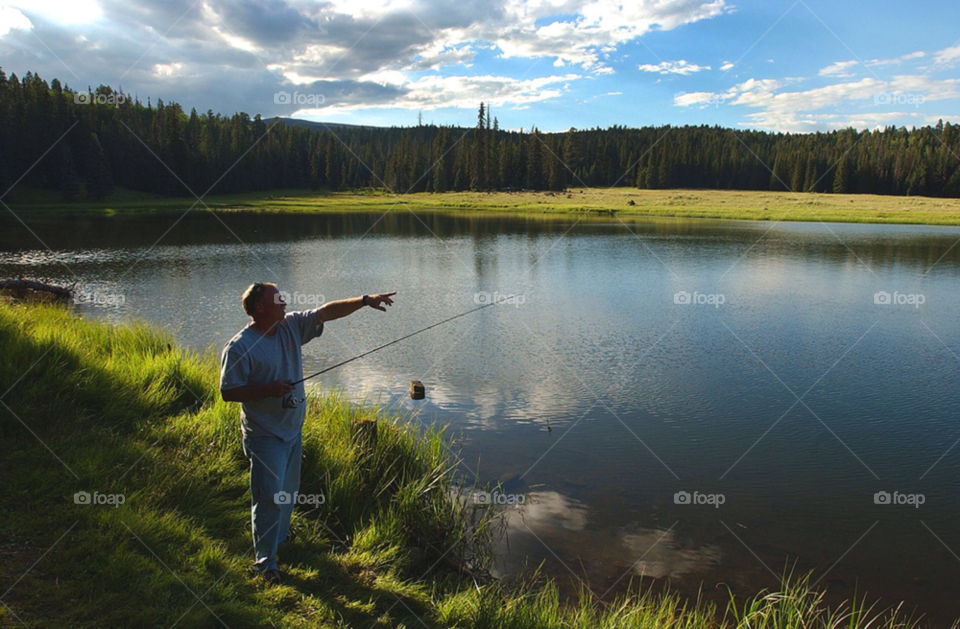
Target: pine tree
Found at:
505, 166
69, 184
478, 180
519, 162
664, 169
796, 179
810, 180
317, 171
4, 178
573, 153
778, 176
99, 179
441, 159
840, 177
535, 161
333, 164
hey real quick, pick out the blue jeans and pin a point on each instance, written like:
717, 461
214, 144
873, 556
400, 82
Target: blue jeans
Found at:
274, 468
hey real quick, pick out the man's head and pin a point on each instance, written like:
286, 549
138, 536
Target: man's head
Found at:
264, 303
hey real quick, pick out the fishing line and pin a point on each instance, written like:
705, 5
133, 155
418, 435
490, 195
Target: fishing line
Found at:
291, 402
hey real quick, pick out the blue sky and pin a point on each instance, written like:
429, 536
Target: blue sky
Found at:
797, 65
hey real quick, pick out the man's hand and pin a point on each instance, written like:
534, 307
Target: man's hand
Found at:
375, 301
278, 388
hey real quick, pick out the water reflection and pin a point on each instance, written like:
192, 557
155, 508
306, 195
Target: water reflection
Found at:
548, 510
660, 554
558, 524
907, 247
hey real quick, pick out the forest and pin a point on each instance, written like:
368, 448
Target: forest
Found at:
84, 144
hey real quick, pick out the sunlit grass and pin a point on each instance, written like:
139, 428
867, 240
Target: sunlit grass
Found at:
597, 203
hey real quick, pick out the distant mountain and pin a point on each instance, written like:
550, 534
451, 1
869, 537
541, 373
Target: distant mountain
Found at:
318, 126
333, 126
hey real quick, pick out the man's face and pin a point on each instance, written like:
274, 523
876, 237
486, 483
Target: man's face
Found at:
271, 307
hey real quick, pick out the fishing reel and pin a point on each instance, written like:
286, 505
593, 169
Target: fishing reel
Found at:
291, 401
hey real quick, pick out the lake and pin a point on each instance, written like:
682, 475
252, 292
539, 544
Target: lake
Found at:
690, 402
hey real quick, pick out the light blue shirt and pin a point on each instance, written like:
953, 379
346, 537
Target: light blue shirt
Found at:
253, 358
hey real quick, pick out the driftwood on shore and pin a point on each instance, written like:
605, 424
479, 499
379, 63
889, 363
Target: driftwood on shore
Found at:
21, 289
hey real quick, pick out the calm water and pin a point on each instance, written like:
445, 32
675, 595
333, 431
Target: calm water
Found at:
599, 397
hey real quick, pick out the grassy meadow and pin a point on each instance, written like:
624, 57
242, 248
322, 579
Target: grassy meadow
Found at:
122, 411
622, 202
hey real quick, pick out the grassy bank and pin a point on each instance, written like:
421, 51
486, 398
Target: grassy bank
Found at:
624, 202
122, 411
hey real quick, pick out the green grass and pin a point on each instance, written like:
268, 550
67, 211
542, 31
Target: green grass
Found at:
122, 410
612, 203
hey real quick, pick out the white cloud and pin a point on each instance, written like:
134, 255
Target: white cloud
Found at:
690, 99
376, 52
896, 60
433, 92
838, 69
674, 67
11, 19
947, 56
864, 103
386, 77
726, 66
594, 26
440, 54
61, 11
167, 69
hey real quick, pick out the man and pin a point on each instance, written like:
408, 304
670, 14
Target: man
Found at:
256, 369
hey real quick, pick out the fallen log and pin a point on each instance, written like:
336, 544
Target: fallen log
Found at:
21, 288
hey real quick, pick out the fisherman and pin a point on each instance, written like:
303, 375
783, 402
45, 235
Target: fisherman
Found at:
257, 368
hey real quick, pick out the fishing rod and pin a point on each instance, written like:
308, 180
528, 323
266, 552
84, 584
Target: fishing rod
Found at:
291, 402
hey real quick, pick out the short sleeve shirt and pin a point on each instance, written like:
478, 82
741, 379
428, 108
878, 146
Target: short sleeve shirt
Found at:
254, 358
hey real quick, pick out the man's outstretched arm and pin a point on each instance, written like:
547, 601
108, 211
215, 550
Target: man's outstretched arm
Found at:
343, 307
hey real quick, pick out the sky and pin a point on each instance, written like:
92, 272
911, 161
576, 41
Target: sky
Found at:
791, 66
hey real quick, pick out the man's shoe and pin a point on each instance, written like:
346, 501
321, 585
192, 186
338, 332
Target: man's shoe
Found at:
272, 577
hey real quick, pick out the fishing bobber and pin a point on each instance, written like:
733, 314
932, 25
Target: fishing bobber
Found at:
417, 390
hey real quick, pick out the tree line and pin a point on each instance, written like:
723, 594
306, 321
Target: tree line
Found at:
110, 138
